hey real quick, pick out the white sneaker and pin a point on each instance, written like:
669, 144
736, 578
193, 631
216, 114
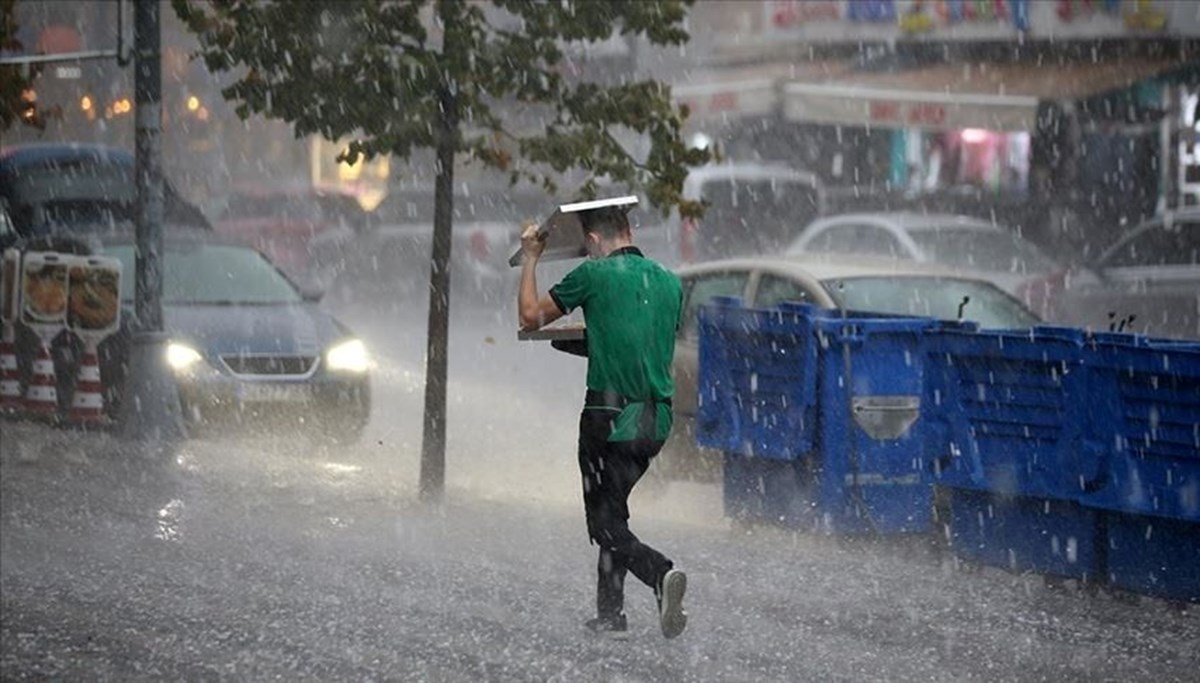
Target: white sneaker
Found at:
670, 603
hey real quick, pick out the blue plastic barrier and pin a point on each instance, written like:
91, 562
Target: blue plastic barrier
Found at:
1009, 441
1148, 413
1152, 555
1059, 452
1149, 416
1009, 409
757, 381
834, 398
1020, 533
872, 473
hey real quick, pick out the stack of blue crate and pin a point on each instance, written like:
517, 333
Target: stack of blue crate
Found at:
1060, 452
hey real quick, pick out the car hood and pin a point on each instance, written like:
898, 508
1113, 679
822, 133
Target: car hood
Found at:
289, 329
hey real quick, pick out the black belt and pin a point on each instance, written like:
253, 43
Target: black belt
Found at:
611, 399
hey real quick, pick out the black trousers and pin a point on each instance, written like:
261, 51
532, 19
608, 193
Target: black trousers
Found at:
609, 470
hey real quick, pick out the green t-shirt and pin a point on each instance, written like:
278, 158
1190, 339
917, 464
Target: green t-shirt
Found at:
632, 307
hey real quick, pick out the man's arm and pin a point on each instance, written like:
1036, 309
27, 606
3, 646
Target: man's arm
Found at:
533, 312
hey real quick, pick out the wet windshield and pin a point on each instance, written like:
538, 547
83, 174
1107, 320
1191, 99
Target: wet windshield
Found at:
932, 297
212, 275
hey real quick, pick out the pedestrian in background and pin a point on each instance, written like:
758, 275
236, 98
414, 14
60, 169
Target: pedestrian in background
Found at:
632, 308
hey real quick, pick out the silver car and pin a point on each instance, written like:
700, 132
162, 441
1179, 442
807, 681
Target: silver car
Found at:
886, 286
991, 251
1151, 280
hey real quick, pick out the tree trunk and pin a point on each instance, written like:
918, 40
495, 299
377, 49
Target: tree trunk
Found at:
433, 439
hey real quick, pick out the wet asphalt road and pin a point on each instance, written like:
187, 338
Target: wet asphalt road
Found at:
263, 557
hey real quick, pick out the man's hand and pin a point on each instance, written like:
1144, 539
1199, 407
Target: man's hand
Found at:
532, 311
532, 243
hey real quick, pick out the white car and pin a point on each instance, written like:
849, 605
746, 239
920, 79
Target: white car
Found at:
991, 251
886, 286
752, 208
1151, 280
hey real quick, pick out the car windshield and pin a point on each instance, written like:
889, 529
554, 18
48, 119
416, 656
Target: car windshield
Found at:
934, 297
997, 250
212, 274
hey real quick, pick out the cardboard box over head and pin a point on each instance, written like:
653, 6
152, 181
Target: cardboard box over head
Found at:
563, 230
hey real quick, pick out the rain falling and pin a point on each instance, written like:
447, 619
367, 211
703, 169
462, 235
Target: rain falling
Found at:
333, 336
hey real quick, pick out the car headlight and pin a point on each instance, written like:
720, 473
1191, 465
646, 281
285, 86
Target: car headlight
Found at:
350, 356
181, 357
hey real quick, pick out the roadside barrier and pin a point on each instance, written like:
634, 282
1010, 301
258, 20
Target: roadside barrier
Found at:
10, 375
87, 403
1051, 450
41, 397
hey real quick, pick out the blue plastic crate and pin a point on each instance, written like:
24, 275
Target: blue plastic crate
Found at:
1009, 412
1147, 412
872, 469
834, 398
1025, 534
756, 381
1154, 556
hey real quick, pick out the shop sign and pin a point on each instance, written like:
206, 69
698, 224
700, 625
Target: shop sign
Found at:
68, 73
745, 98
865, 106
967, 20
788, 13
871, 11
916, 114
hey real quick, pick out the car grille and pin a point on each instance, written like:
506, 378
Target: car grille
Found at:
275, 366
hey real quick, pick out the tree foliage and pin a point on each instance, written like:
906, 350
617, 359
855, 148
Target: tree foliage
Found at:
472, 81
370, 70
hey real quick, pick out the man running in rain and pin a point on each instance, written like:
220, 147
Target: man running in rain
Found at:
631, 307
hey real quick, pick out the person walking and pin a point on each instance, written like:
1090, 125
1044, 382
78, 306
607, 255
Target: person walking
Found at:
632, 308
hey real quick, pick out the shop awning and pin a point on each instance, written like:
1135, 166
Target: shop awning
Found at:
730, 94
948, 97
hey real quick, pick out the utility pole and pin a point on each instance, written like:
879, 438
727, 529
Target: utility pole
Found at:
150, 412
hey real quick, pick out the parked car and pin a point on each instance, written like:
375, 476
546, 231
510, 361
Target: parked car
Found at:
57, 188
1151, 280
753, 208
246, 345
995, 252
282, 222
885, 286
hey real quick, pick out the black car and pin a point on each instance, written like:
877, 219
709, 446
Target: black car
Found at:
48, 189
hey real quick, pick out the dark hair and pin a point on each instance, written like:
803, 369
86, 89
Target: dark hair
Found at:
609, 222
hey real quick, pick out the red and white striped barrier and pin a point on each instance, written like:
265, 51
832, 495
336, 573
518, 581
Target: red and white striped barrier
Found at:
41, 397
10, 376
87, 405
